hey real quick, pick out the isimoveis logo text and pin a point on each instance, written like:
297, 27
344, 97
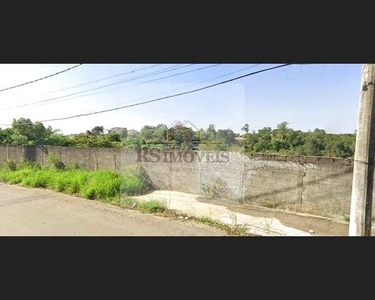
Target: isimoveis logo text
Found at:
156, 155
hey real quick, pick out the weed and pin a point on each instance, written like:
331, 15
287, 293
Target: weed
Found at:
128, 202
346, 217
74, 166
152, 206
231, 230
135, 181
55, 161
10, 165
38, 178
103, 185
268, 225
215, 190
270, 204
233, 217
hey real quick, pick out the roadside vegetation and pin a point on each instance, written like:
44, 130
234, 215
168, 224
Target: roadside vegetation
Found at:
157, 207
104, 186
101, 185
231, 230
280, 140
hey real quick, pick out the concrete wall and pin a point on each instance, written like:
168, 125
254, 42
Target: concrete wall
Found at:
315, 184
309, 183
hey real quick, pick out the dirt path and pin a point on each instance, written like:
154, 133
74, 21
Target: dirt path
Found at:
38, 212
319, 225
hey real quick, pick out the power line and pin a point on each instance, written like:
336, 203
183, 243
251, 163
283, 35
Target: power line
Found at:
95, 81
168, 69
220, 76
181, 88
56, 100
167, 97
148, 81
45, 77
194, 84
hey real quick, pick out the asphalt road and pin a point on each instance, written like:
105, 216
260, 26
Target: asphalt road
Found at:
38, 212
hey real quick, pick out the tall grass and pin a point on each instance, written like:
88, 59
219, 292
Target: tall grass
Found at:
102, 185
152, 206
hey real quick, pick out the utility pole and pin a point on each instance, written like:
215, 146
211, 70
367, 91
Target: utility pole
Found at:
363, 171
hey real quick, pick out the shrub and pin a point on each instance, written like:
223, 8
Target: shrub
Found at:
102, 185
10, 165
55, 161
135, 181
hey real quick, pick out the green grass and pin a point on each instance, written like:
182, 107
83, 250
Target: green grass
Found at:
231, 230
107, 186
155, 206
152, 206
127, 202
101, 185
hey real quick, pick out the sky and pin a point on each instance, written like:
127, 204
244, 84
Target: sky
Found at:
307, 96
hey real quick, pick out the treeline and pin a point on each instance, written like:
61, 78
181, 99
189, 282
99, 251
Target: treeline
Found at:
284, 140
280, 140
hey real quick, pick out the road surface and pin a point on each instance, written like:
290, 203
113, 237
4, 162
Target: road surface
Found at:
38, 212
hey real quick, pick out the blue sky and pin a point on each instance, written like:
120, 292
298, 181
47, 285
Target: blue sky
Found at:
307, 96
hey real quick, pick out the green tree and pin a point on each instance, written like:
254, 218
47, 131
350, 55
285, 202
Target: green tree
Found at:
6, 136
20, 140
160, 133
97, 130
282, 139
211, 132
147, 132
181, 137
113, 137
83, 140
225, 137
315, 142
202, 135
23, 132
264, 137
57, 139
132, 142
245, 128
123, 133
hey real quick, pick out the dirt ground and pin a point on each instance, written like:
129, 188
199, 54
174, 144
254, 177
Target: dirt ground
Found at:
39, 212
320, 225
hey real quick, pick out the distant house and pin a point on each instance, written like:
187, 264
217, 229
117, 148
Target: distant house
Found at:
239, 138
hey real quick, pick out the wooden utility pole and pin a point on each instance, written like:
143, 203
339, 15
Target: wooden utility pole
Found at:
363, 172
